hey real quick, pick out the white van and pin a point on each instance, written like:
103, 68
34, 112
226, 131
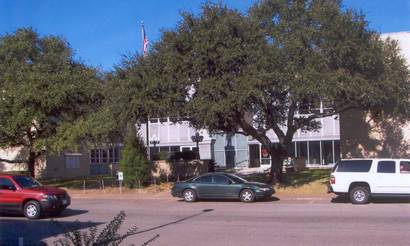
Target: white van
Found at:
364, 178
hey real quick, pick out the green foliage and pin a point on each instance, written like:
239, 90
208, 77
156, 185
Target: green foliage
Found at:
43, 91
257, 72
108, 236
184, 155
133, 161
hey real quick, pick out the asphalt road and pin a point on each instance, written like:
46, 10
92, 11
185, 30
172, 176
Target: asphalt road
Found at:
305, 221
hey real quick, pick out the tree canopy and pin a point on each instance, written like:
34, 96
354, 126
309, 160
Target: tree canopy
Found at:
258, 72
43, 90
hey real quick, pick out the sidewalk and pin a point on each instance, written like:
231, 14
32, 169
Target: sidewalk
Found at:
165, 195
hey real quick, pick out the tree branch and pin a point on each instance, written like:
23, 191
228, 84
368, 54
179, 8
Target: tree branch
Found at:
13, 161
250, 130
273, 124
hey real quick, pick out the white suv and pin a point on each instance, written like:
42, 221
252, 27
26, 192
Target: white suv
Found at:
363, 178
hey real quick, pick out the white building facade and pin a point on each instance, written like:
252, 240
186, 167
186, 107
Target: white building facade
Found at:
317, 148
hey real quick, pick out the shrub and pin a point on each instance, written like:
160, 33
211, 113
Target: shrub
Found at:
133, 160
185, 155
108, 236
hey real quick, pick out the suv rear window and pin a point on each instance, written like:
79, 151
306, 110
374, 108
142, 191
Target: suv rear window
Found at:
361, 166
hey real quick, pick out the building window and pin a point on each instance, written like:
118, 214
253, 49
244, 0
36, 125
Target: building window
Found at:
336, 147
72, 160
95, 156
186, 149
265, 157
314, 152
301, 149
104, 155
114, 154
327, 152
164, 149
175, 148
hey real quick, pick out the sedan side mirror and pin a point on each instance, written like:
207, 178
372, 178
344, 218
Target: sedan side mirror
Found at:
12, 187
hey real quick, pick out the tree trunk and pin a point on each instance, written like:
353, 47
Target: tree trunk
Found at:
31, 164
277, 157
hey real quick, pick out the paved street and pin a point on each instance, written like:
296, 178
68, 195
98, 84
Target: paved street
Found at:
290, 221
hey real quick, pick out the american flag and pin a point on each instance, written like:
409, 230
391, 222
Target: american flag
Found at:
144, 41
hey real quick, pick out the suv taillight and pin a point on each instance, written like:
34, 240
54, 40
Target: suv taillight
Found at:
332, 179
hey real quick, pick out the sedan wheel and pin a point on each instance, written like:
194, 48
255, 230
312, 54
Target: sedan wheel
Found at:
247, 195
32, 210
189, 195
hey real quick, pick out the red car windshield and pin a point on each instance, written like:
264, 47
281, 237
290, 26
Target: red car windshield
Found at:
26, 182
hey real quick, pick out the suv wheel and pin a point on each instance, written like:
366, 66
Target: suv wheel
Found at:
247, 195
189, 195
359, 195
32, 210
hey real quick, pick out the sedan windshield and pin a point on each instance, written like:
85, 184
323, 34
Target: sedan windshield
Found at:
236, 179
26, 182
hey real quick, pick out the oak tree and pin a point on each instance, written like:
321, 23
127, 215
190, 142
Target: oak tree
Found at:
43, 90
262, 72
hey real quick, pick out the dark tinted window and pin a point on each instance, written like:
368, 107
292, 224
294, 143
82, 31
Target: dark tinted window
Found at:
386, 167
219, 179
236, 179
404, 167
5, 184
26, 181
361, 166
204, 179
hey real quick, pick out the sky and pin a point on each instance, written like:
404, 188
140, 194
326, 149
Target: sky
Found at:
102, 32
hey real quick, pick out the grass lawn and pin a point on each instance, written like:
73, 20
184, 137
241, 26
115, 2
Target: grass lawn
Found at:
91, 182
94, 184
306, 182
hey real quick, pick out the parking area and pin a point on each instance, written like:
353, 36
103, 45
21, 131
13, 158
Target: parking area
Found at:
280, 221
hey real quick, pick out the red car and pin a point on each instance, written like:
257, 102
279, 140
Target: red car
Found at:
23, 194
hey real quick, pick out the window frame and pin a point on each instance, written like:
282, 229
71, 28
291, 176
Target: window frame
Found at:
11, 184
203, 176
71, 165
344, 162
219, 175
400, 167
96, 159
383, 162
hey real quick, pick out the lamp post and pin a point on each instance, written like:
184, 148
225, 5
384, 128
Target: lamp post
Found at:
197, 138
154, 140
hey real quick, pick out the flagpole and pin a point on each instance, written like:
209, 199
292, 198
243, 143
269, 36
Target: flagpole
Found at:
142, 36
147, 125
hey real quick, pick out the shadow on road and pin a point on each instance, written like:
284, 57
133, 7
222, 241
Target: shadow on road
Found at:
174, 222
66, 213
71, 212
34, 231
376, 200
